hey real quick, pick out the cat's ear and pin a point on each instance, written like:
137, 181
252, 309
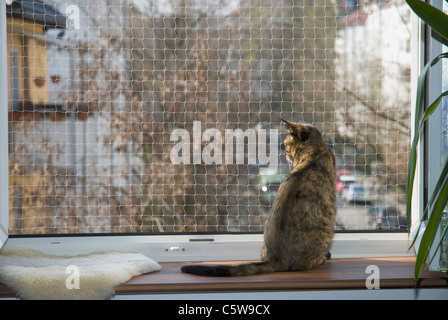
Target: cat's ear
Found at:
292, 128
298, 130
289, 126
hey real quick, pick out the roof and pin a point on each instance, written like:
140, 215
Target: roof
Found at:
35, 11
359, 17
356, 18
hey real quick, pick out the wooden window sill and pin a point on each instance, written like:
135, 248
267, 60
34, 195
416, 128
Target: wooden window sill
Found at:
395, 272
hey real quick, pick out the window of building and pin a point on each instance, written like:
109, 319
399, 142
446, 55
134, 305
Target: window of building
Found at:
163, 118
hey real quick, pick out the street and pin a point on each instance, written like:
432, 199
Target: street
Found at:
352, 216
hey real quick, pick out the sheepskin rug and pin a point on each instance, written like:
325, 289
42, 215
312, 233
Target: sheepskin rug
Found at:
35, 275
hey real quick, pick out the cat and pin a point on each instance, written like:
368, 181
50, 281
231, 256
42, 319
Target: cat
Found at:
299, 231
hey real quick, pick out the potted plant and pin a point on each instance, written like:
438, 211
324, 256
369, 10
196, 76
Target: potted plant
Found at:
437, 20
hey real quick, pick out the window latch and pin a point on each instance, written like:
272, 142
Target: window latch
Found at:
174, 249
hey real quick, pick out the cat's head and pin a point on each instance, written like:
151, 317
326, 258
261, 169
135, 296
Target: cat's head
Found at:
300, 136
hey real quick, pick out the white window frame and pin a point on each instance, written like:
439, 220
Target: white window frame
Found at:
4, 194
210, 247
182, 247
418, 62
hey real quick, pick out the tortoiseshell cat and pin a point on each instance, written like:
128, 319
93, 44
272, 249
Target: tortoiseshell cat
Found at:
299, 231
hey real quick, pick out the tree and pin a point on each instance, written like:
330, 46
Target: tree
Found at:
251, 66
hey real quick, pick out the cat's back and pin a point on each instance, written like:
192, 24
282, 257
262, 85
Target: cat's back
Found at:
305, 205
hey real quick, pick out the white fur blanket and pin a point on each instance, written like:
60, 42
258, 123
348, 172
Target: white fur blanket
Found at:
34, 275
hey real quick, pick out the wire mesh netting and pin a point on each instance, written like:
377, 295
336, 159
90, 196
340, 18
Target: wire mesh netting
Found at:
164, 116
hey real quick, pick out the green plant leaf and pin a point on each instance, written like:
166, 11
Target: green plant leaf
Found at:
417, 233
436, 194
431, 229
432, 16
438, 21
412, 162
438, 187
433, 106
420, 118
442, 177
442, 235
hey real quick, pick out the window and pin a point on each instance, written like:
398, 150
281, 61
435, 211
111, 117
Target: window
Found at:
434, 147
14, 79
163, 118
3, 136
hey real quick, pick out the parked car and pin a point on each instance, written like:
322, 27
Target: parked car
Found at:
343, 179
356, 192
386, 218
269, 184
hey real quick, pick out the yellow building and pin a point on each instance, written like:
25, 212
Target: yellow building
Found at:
28, 85
27, 22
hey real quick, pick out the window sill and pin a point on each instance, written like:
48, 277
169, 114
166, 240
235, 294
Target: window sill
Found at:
346, 273
395, 272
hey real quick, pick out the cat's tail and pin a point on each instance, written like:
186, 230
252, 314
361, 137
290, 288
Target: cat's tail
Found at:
243, 269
